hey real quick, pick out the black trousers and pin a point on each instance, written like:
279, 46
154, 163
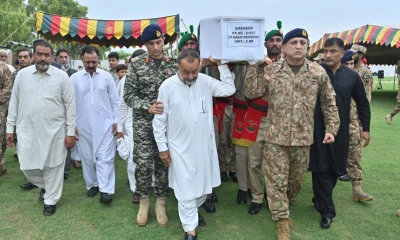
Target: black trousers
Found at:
323, 185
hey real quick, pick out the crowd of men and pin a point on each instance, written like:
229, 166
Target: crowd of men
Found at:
186, 124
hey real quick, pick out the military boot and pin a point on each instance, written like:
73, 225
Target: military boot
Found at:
358, 194
389, 119
161, 214
143, 214
283, 228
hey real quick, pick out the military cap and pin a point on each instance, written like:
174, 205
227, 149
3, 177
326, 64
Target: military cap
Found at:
320, 56
348, 56
297, 32
186, 37
151, 32
359, 48
275, 32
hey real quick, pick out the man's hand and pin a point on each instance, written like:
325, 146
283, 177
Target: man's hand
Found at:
214, 61
114, 129
267, 61
329, 138
120, 135
165, 158
10, 139
69, 142
366, 137
76, 135
157, 108
204, 63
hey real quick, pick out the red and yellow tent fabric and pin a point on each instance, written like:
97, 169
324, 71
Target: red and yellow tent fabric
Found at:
102, 32
383, 43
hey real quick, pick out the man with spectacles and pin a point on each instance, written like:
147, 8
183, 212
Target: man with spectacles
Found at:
291, 88
327, 163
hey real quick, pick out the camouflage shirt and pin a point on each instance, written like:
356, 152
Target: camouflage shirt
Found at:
5, 84
144, 79
292, 99
368, 80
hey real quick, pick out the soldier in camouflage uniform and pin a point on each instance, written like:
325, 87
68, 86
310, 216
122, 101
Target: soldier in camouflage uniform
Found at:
354, 169
397, 108
291, 88
145, 75
5, 92
362, 70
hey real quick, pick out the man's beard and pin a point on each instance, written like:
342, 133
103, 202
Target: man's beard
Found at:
43, 66
273, 51
356, 61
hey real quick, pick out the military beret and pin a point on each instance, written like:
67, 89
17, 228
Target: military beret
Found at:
297, 32
151, 32
359, 48
186, 37
348, 56
275, 32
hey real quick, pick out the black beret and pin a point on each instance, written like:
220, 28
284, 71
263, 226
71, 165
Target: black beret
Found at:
297, 32
151, 32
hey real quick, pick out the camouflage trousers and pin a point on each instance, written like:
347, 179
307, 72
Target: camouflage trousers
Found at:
397, 108
255, 163
284, 169
3, 143
354, 169
147, 158
226, 150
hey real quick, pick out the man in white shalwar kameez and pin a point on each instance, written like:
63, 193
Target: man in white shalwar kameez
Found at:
185, 134
42, 107
97, 103
125, 127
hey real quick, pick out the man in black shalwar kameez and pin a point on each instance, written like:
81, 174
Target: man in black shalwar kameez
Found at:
328, 162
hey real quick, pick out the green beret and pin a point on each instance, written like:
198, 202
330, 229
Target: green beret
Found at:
275, 32
186, 37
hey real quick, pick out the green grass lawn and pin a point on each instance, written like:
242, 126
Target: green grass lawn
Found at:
80, 217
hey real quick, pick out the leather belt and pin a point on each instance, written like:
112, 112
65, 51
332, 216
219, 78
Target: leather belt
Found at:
258, 107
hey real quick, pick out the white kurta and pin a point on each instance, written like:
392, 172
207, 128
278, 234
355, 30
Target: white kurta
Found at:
42, 107
124, 123
186, 129
97, 103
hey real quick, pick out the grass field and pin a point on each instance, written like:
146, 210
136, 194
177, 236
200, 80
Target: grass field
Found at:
80, 217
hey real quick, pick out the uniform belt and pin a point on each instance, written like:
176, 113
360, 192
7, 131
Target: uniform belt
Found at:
225, 100
240, 106
258, 107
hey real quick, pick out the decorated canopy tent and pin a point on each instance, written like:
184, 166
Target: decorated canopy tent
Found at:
102, 32
383, 43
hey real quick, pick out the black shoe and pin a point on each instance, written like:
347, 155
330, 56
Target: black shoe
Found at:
233, 176
254, 208
249, 192
202, 223
66, 176
224, 177
241, 197
41, 195
105, 198
214, 197
49, 210
190, 237
345, 178
209, 206
28, 186
326, 222
93, 191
